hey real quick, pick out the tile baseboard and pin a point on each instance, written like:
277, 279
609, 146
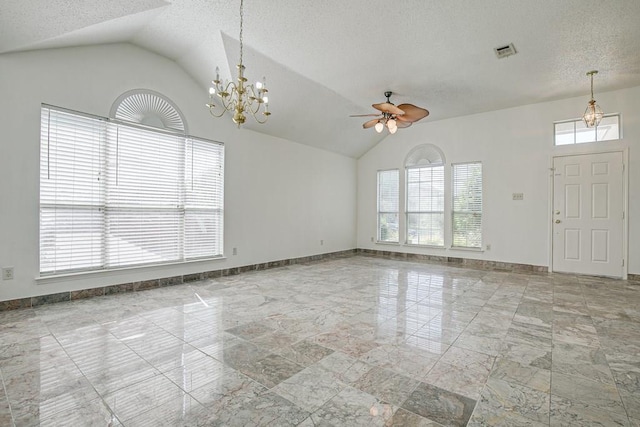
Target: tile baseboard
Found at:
39, 300
36, 301
456, 261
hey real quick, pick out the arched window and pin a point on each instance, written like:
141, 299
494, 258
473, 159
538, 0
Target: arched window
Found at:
148, 108
424, 167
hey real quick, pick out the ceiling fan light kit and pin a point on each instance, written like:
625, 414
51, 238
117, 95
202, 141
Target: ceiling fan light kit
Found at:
393, 117
593, 114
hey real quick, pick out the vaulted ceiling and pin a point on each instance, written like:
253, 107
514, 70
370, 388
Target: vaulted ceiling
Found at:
327, 59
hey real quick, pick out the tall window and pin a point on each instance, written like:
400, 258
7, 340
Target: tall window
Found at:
425, 205
388, 206
467, 205
425, 196
115, 195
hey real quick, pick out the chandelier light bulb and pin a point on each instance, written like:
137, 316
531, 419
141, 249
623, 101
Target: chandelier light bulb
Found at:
258, 85
379, 126
265, 99
391, 123
212, 90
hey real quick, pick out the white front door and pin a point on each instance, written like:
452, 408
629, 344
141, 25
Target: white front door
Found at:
588, 214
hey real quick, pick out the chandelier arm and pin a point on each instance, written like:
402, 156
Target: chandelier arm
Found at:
228, 101
214, 114
266, 117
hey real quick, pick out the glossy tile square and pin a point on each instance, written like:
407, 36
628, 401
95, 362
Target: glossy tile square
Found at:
310, 388
439, 405
386, 385
353, 407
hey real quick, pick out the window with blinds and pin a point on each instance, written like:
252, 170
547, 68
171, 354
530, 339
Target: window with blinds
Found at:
114, 194
425, 205
467, 205
388, 205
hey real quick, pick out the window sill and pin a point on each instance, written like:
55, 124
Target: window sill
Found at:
415, 245
387, 243
460, 248
55, 278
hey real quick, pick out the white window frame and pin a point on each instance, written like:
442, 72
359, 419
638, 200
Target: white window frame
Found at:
579, 124
473, 212
385, 212
190, 200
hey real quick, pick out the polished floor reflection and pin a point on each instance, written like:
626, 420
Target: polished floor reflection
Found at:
347, 342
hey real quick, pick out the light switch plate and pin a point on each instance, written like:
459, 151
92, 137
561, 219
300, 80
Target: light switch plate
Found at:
7, 273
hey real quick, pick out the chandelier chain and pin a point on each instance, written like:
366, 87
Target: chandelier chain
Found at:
241, 25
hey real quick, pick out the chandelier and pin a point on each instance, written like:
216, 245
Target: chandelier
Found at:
239, 98
593, 114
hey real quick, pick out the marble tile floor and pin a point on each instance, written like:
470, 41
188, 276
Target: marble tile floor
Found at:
346, 342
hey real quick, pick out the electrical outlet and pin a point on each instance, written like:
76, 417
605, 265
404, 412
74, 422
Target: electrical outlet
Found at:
488, 246
518, 196
321, 242
235, 251
7, 273
372, 239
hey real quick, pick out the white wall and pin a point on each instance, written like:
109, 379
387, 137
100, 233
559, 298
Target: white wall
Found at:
281, 197
516, 147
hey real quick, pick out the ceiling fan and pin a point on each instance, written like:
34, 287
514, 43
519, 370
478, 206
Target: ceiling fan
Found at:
393, 117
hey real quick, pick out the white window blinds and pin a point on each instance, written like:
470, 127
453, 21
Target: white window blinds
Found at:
388, 205
467, 205
425, 206
115, 195
72, 161
204, 197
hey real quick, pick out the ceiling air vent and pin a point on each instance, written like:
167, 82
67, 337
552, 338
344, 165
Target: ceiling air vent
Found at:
504, 51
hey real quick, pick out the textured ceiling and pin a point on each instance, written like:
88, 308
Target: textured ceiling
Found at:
326, 59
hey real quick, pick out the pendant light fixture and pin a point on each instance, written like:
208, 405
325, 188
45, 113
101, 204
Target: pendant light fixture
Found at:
239, 98
593, 114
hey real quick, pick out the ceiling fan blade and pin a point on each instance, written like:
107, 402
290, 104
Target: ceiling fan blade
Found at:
412, 113
370, 123
403, 124
366, 115
387, 107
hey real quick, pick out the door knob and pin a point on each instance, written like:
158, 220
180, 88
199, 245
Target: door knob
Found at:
558, 221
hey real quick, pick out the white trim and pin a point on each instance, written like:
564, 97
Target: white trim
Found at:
54, 278
466, 249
